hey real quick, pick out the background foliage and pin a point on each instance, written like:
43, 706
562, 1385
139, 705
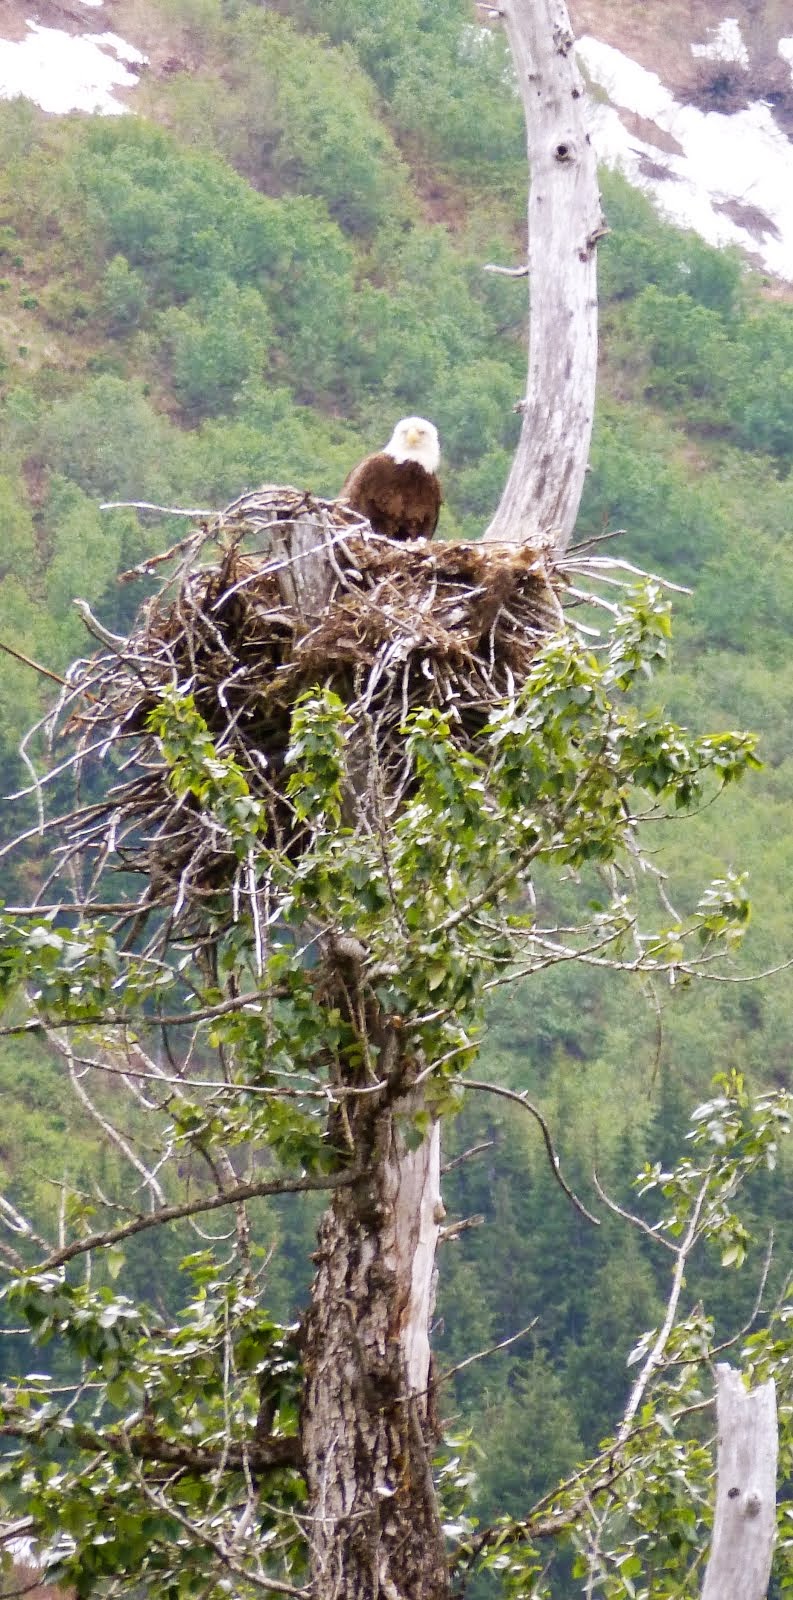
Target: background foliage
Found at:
201, 297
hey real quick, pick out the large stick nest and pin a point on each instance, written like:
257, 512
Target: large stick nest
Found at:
281, 593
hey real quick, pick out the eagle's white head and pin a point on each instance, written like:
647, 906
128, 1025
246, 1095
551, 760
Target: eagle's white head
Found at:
415, 439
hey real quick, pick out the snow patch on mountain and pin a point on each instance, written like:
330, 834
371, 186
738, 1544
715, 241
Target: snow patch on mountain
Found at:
64, 72
727, 175
730, 178
726, 44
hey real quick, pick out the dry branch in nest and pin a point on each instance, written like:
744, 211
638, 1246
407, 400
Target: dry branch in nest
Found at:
279, 594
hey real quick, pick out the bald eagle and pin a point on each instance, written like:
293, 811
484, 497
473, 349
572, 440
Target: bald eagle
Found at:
397, 488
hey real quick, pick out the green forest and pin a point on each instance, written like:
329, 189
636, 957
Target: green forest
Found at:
249, 280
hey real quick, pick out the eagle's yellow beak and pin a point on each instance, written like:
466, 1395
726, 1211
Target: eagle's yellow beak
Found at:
413, 437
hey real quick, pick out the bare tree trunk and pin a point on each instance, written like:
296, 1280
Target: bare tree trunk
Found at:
368, 1433
543, 491
745, 1523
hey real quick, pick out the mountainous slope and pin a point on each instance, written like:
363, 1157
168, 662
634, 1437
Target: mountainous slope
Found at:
248, 274
699, 114
693, 104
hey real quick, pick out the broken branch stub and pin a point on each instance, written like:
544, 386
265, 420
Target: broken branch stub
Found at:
745, 1522
543, 491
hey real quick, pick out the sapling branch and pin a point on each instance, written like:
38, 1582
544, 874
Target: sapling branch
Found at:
653, 1233
657, 1349
522, 1099
145, 1444
481, 1355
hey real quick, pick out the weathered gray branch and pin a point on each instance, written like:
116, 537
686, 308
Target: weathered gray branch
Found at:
543, 491
745, 1521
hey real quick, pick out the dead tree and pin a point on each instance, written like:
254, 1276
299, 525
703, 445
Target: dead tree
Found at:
543, 491
745, 1521
392, 627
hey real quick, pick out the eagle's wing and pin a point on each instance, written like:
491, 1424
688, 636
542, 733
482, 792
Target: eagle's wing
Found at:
435, 501
400, 501
364, 487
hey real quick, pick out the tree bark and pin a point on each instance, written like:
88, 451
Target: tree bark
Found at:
745, 1522
543, 491
368, 1431
304, 571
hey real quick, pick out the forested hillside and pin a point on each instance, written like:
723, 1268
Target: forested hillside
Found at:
250, 279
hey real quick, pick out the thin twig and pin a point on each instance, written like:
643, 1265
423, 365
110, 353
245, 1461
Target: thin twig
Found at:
522, 1099
480, 1355
146, 505
467, 1155
629, 1216
506, 272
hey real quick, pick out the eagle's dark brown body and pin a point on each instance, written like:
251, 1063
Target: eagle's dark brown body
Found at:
400, 498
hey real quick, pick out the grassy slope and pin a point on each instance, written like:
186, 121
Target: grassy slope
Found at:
181, 316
